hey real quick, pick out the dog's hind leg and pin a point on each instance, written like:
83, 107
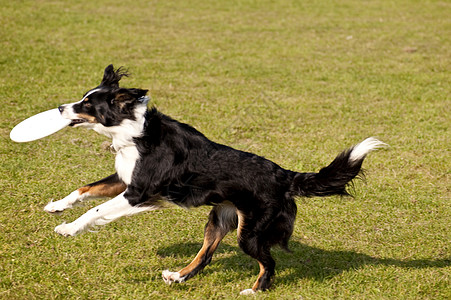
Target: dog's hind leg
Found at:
110, 186
222, 219
258, 233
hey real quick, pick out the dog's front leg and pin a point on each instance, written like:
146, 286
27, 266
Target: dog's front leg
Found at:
110, 186
103, 214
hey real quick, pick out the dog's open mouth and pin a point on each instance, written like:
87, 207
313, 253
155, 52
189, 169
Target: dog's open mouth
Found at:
75, 122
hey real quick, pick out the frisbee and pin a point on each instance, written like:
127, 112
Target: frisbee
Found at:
39, 126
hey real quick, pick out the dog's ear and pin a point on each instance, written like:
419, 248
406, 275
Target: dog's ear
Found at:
138, 93
125, 97
111, 77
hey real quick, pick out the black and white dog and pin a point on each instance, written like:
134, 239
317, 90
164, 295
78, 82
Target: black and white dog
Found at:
160, 160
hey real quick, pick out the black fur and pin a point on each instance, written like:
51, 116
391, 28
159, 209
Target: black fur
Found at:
110, 105
178, 164
185, 168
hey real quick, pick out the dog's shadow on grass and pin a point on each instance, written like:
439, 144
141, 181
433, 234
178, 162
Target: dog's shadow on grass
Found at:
303, 262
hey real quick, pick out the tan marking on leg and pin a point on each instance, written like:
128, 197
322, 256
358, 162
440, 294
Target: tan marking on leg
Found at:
103, 190
211, 242
262, 271
84, 189
240, 223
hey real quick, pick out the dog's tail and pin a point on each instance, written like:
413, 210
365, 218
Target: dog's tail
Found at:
333, 179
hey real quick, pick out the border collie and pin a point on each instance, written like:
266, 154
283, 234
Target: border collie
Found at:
160, 160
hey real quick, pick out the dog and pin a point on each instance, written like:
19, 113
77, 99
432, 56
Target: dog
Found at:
160, 160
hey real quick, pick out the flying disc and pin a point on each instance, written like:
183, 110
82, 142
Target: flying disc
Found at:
39, 126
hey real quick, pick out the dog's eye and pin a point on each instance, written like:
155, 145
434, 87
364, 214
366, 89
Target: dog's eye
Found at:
88, 105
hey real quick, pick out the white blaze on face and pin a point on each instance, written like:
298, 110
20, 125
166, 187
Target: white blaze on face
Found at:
69, 113
89, 93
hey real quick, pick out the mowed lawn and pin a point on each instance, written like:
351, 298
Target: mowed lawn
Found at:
294, 81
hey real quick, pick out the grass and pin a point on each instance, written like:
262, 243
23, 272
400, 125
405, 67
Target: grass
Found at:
294, 81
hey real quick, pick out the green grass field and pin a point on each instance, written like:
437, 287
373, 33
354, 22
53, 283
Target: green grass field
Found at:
296, 82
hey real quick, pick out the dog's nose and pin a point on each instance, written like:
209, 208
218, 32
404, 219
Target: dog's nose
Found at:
61, 108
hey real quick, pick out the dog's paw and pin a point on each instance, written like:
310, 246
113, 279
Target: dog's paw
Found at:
56, 207
170, 277
65, 203
248, 292
67, 229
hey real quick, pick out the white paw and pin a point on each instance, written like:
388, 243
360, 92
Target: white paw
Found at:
67, 229
57, 206
247, 292
170, 277
65, 203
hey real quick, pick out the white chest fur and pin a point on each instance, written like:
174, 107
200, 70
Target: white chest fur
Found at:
123, 141
125, 163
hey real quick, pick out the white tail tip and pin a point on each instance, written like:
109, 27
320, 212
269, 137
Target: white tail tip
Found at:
361, 150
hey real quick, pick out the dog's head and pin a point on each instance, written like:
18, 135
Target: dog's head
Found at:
106, 105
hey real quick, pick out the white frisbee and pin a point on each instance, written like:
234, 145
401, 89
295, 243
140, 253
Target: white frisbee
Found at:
39, 126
